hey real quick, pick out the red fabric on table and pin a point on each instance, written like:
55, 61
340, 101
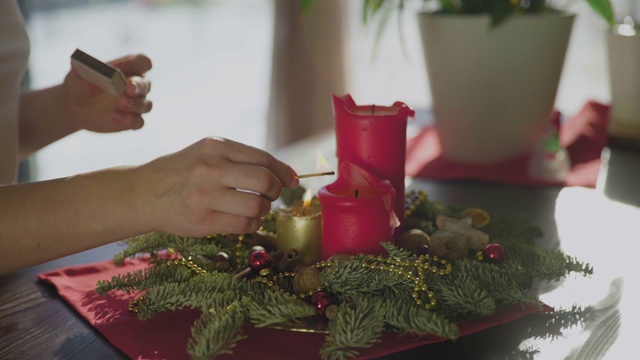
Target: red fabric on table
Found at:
583, 135
165, 336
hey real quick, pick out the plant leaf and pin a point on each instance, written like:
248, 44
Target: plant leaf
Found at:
305, 5
604, 9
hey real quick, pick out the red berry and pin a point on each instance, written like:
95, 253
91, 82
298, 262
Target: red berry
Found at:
259, 260
320, 301
493, 253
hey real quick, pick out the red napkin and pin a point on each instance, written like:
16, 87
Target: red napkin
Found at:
584, 136
165, 336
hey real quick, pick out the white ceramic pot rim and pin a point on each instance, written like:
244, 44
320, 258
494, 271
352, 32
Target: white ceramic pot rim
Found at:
517, 16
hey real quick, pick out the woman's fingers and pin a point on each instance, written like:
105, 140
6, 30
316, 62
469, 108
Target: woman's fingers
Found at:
243, 154
137, 86
137, 105
256, 179
133, 65
214, 186
127, 120
240, 203
221, 223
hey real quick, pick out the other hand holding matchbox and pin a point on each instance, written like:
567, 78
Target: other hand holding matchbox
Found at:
103, 75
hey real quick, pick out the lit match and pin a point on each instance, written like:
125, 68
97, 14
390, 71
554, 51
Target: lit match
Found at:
316, 174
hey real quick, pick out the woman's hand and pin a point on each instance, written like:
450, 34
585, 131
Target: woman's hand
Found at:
90, 108
213, 186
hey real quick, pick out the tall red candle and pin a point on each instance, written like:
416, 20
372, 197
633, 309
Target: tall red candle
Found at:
357, 212
374, 137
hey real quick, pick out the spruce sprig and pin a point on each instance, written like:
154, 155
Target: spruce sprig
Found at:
143, 244
351, 277
216, 333
268, 307
405, 317
397, 253
359, 324
144, 279
201, 292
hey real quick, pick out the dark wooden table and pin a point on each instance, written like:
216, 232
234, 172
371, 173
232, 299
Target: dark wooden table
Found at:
600, 226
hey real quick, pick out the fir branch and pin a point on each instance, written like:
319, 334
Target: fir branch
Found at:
152, 243
359, 324
147, 243
201, 292
144, 279
521, 230
195, 247
557, 322
545, 264
461, 297
499, 281
405, 317
289, 196
167, 297
349, 276
127, 282
397, 253
268, 307
573, 265
431, 209
216, 333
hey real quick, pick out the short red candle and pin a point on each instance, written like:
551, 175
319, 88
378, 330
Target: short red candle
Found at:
357, 212
374, 137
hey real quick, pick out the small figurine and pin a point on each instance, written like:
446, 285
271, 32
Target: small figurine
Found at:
550, 161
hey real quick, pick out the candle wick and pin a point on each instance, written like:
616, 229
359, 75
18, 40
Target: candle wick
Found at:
373, 108
356, 193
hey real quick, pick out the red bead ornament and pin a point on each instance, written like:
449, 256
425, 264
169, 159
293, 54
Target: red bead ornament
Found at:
493, 253
320, 301
259, 260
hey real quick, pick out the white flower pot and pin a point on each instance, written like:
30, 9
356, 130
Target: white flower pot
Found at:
623, 54
493, 88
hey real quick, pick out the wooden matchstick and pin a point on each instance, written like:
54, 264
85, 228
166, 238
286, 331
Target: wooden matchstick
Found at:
315, 174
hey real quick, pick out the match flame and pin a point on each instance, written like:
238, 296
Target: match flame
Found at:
321, 163
306, 198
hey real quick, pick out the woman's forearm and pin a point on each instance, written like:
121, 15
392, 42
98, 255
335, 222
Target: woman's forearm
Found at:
212, 186
42, 119
46, 220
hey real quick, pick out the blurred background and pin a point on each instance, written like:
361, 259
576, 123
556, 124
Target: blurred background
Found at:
231, 68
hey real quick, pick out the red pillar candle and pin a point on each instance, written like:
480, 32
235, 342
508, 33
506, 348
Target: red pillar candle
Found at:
374, 137
357, 212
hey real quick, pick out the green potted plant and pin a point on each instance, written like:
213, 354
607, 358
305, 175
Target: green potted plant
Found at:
493, 68
497, 10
